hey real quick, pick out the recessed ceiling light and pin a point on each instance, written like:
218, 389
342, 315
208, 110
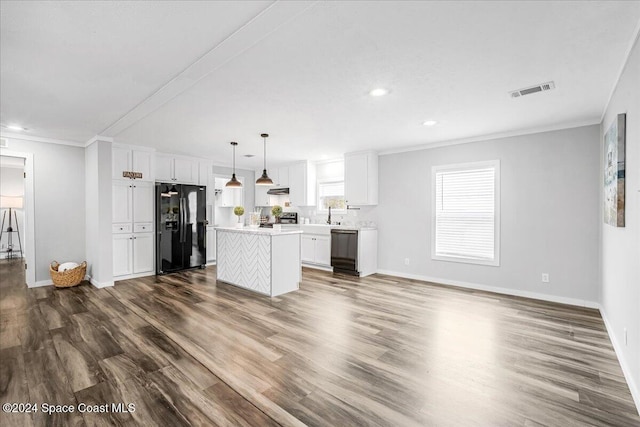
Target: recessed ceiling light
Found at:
15, 127
430, 123
379, 92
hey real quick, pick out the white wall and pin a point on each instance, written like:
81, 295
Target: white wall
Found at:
620, 247
98, 213
59, 203
12, 184
549, 214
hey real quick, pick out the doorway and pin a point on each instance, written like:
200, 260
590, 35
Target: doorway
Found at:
17, 242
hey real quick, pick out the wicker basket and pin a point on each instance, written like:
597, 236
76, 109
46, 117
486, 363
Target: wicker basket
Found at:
69, 278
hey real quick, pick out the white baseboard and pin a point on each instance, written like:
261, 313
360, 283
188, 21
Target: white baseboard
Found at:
318, 267
633, 386
41, 283
131, 276
498, 290
99, 285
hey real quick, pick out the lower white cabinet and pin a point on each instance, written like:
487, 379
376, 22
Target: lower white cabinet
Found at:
132, 254
315, 249
142, 252
211, 244
122, 254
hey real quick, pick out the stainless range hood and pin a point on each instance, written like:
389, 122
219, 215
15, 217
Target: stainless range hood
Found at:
278, 191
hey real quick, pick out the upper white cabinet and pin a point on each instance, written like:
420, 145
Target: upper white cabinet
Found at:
205, 170
122, 205
361, 178
228, 197
133, 202
302, 183
179, 169
283, 176
128, 159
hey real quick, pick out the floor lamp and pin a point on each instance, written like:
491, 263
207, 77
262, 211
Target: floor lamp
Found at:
11, 203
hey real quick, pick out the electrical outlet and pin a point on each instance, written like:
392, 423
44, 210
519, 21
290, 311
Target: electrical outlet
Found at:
626, 337
545, 277
406, 261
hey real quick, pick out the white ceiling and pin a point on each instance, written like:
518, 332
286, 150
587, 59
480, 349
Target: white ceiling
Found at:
302, 71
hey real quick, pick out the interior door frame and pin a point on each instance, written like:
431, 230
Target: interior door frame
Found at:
29, 214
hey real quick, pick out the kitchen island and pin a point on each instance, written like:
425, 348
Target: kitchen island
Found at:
259, 259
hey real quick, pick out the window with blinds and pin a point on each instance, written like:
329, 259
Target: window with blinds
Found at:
465, 213
331, 194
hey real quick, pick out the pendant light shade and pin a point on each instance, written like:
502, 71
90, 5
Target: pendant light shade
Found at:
233, 182
264, 179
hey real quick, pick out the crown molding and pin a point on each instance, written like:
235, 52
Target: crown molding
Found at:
98, 138
33, 138
490, 137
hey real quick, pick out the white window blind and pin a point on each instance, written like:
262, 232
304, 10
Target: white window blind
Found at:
331, 194
465, 213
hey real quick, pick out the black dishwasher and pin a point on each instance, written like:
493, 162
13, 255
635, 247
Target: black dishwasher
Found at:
344, 251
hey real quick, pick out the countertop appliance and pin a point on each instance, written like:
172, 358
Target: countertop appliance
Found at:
344, 251
180, 227
286, 218
289, 218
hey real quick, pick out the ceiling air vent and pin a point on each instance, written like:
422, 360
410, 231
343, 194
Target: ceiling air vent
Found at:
533, 89
4, 142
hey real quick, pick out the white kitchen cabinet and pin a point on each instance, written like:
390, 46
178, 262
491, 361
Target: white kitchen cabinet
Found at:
229, 197
122, 254
143, 250
185, 170
211, 244
261, 196
315, 249
132, 202
361, 178
127, 159
205, 169
302, 184
133, 218
143, 203
283, 176
122, 201
132, 254
170, 168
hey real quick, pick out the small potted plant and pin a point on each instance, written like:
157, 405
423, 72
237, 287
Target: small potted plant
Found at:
239, 211
276, 211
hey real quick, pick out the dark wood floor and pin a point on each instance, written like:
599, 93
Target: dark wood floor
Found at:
377, 351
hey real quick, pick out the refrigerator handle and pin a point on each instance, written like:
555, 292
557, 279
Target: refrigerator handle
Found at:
183, 220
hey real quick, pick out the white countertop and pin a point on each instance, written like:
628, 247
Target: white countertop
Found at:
261, 231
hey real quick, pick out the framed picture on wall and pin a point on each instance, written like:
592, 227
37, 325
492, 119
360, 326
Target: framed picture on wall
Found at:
614, 171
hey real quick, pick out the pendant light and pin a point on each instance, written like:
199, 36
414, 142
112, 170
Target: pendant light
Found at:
234, 181
264, 179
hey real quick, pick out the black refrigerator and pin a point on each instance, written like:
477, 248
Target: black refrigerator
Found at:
180, 226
